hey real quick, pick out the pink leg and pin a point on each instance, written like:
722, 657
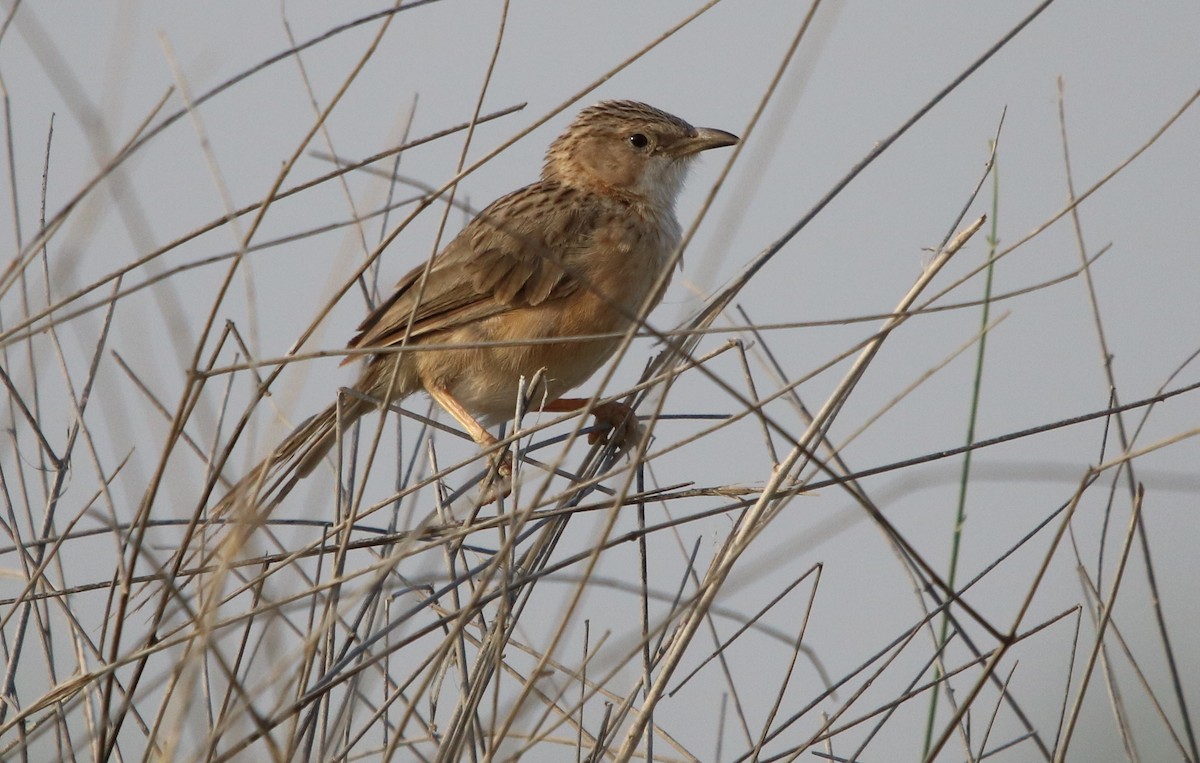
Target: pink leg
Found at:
617, 417
481, 436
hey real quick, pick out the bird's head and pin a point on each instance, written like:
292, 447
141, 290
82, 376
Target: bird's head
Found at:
630, 149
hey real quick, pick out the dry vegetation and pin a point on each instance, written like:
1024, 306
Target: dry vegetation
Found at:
603, 611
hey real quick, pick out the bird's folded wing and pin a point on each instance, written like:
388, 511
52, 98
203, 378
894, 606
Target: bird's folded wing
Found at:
489, 268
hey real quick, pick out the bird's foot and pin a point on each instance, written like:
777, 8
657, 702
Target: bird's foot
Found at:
498, 481
616, 423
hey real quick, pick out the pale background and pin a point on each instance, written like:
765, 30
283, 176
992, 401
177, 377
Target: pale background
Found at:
861, 71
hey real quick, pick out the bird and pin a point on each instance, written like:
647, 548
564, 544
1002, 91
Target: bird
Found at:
577, 253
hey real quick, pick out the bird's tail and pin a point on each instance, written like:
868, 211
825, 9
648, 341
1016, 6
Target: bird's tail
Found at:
250, 501
304, 448
300, 453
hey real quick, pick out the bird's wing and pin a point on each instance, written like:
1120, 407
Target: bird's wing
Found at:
509, 256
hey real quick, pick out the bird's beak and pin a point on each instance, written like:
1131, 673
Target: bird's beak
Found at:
709, 137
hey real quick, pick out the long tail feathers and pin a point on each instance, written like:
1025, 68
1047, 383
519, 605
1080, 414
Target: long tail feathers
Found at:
249, 502
294, 459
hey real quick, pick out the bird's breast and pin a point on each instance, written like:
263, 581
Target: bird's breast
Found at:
615, 267
627, 253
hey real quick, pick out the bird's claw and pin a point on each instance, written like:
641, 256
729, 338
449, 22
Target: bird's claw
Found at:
497, 483
616, 423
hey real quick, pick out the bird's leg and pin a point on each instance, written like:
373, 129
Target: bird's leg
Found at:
481, 436
614, 417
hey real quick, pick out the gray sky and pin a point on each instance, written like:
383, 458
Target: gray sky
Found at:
861, 71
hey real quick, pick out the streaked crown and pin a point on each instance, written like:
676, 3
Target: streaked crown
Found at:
630, 149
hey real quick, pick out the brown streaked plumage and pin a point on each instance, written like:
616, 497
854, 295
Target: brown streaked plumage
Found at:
575, 253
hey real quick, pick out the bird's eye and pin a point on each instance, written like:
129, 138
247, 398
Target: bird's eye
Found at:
639, 141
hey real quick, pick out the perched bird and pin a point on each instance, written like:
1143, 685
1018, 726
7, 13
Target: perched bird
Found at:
576, 253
